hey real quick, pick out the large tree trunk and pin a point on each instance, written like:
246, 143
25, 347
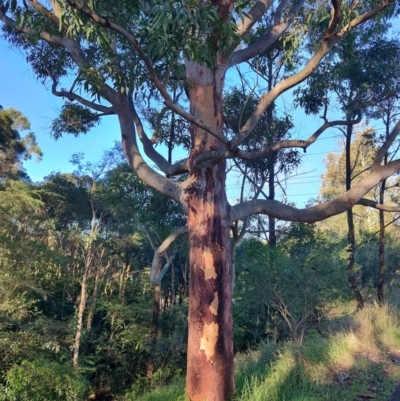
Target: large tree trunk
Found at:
210, 341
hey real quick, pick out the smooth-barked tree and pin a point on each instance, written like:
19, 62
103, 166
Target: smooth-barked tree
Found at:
108, 58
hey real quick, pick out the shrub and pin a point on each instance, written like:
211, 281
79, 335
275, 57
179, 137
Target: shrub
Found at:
41, 380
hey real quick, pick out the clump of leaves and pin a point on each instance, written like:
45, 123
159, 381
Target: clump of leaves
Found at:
42, 380
74, 119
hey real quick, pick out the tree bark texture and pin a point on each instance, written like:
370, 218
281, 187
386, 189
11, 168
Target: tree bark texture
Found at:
210, 341
79, 324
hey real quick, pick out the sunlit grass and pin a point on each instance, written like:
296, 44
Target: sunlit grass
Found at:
350, 358
172, 392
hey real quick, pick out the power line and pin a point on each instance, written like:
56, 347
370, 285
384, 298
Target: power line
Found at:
304, 182
288, 181
322, 153
299, 178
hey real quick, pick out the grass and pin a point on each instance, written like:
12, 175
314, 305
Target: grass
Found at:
348, 360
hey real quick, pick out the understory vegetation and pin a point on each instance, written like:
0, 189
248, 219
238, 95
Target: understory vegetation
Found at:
349, 355
79, 319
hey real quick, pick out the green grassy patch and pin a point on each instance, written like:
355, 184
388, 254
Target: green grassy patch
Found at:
349, 361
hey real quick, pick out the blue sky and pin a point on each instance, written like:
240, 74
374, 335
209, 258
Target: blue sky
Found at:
21, 90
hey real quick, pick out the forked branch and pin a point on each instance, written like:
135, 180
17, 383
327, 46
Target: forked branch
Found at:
254, 15
155, 278
71, 96
336, 11
269, 38
325, 47
148, 147
107, 23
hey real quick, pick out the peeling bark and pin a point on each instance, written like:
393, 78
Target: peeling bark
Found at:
210, 341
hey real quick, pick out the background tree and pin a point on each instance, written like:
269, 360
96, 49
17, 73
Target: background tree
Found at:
42, 299
358, 80
388, 111
257, 174
14, 149
367, 222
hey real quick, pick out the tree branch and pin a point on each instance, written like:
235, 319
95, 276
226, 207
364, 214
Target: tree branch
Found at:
106, 23
158, 253
51, 16
254, 14
133, 155
166, 167
336, 11
70, 45
325, 47
71, 96
56, 8
279, 11
385, 147
319, 212
379, 206
265, 41
209, 159
77, 55
55, 40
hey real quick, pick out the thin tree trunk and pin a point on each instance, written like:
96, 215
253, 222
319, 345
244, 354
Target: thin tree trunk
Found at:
171, 132
173, 285
98, 281
381, 274
271, 187
382, 267
81, 310
154, 331
88, 263
122, 281
210, 375
351, 238
271, 168
92, 306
